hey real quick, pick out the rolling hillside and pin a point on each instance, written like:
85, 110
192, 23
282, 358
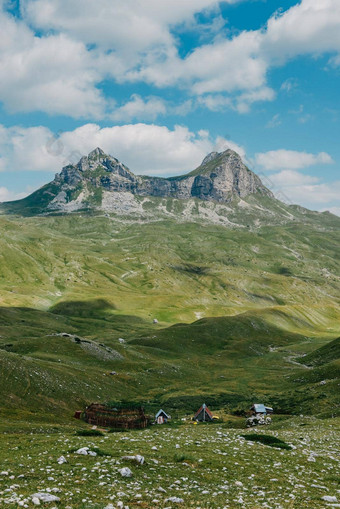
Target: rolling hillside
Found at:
228, 302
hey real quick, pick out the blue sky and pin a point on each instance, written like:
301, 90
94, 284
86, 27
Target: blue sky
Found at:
160, 83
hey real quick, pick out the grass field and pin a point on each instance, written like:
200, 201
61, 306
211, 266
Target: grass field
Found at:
237, 310
202, 466
181, 312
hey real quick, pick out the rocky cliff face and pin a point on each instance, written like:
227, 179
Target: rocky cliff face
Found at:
219, 178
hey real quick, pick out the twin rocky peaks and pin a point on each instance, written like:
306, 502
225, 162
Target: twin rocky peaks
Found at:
219, 178
101, 181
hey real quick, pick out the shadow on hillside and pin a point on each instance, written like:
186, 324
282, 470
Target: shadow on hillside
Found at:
96, 317
83, 308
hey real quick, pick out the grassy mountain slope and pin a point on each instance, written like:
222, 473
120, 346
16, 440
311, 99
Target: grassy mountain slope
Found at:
236, 308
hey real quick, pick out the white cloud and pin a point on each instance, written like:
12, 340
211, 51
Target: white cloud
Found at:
223, 66
290, 159
333, 210
137, 108
25, 149
84, 42
309, 27
245, 100
312, 195
295, 187
288, 178
146, 149
55, 74
7, 195
289, 85
240, 103
130, 27
275, 121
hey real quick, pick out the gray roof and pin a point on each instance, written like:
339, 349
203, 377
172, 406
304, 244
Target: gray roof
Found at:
160, 412
259, 408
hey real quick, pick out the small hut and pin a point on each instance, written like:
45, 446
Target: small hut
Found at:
162, 417
203, 414
260, 409
116, 416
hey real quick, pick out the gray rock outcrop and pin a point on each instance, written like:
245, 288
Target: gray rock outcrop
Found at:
220, 177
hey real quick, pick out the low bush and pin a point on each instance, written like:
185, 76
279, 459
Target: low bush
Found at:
267, 440
89, 433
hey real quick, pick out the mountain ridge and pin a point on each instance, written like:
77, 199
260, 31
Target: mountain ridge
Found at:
219, 178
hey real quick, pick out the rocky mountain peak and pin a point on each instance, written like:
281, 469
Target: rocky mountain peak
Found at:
213, 156
97, 152
209, 158
97, 178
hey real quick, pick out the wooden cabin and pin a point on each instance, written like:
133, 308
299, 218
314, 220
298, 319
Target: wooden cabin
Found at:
121, 417
203, 414
162, 417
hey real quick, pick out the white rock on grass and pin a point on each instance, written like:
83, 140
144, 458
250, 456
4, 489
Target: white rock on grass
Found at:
137, 458
62, 460
83, 450
44, 497
328, 498
125, 472
175, 500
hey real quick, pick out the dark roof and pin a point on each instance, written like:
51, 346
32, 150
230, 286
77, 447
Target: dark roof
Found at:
205, 409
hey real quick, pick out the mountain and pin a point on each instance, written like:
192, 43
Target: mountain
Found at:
97, 178
245, 290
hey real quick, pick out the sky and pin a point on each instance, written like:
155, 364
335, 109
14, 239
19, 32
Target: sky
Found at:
161, 83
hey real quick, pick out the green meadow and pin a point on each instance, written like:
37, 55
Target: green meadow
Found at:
235, 312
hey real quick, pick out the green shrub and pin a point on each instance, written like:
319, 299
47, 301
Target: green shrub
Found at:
268, 440
89, 433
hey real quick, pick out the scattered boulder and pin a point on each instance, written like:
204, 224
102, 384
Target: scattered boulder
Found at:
329, 498
44, 497
85, 451
62, 460
258, 420
175, 500
125, 472
137, 459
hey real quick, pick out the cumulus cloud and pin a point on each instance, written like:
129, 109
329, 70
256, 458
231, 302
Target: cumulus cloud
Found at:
334, 210
81, 43
311, 195
292, 186
144, 148
137, 107
290, 159
131, 27
55, 74
289, 178
7, 195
